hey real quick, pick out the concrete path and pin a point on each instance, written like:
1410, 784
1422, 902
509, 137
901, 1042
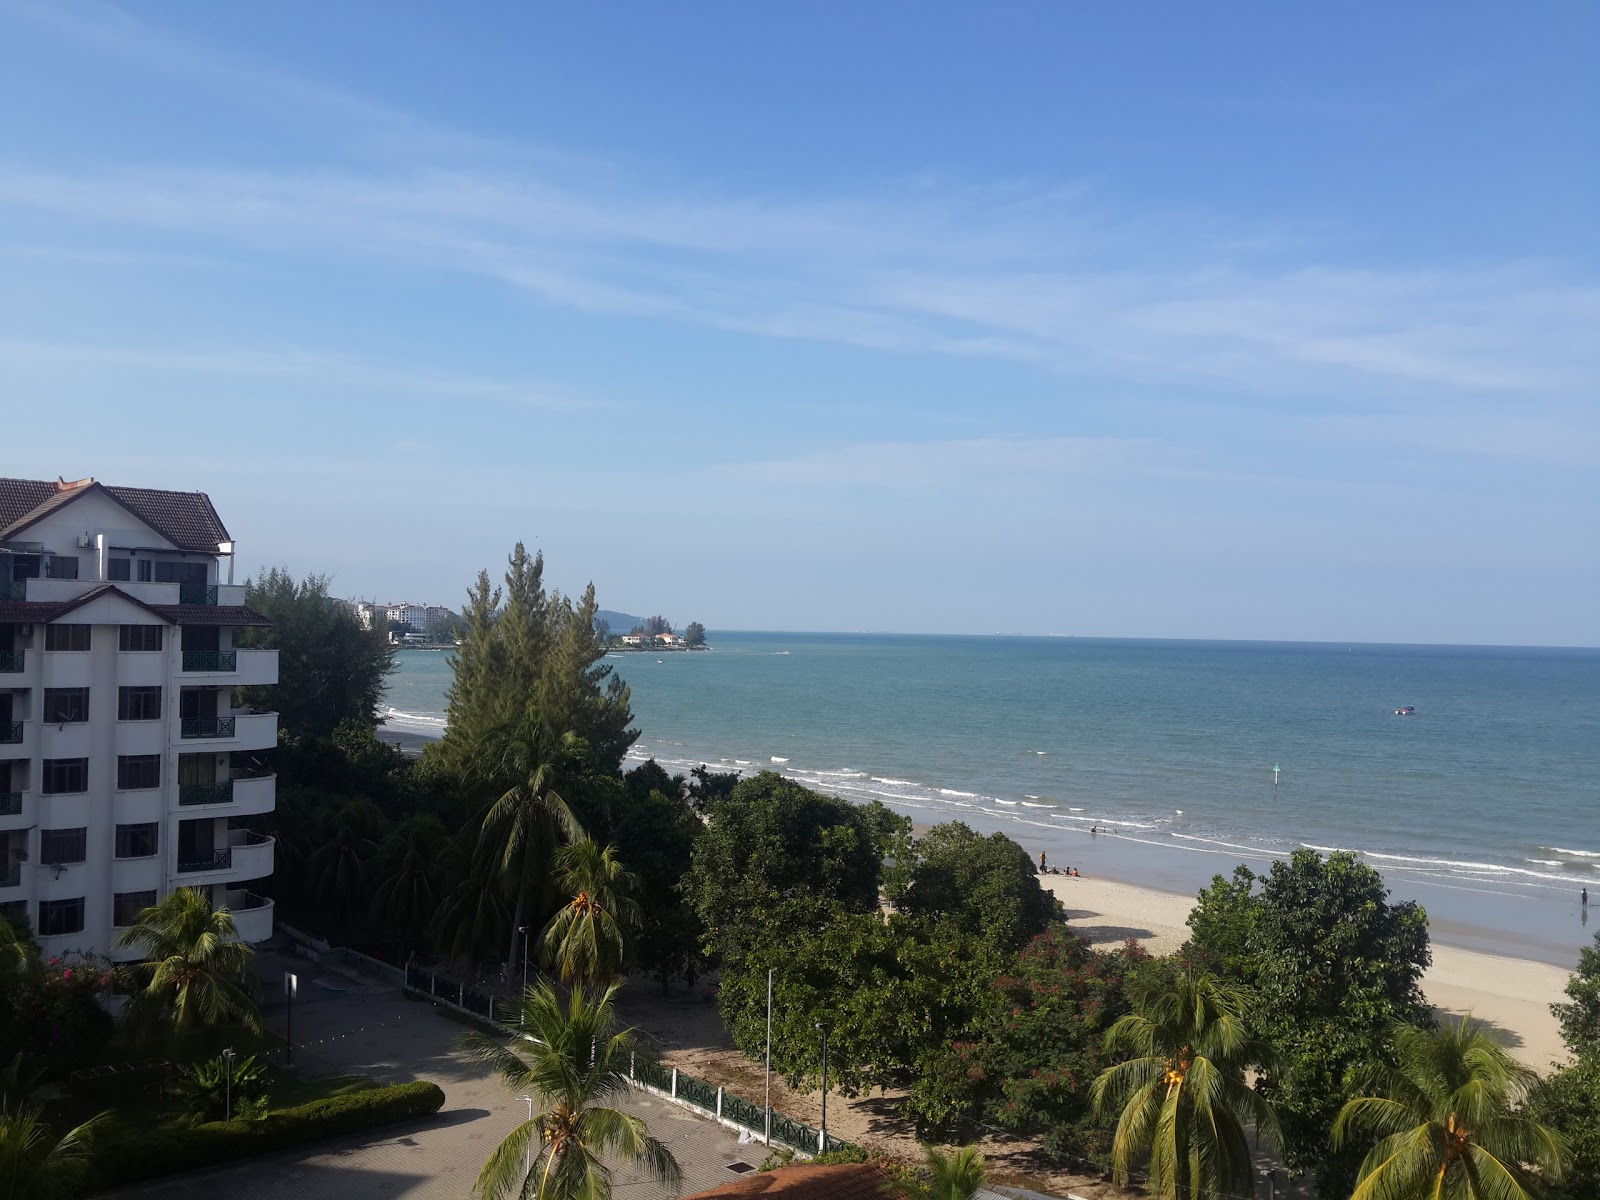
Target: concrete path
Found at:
343, 1026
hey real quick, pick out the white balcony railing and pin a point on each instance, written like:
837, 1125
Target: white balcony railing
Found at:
253, 853
55, 591
252, 915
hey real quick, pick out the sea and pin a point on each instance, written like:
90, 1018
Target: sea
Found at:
1162, 763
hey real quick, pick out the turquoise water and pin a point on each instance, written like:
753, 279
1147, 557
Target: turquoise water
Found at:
1484, 803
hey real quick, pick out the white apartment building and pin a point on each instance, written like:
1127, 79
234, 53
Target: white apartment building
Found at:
123, 760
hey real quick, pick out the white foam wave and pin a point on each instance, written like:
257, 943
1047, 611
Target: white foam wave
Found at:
967, 795
1007, 803
1036, 804
1546, 862
891, 782
1573, 853
776, 759
417, 722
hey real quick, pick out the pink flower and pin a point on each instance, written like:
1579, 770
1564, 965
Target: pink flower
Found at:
54, 959
67, 974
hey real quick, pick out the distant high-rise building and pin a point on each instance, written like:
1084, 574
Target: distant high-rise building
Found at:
123, 763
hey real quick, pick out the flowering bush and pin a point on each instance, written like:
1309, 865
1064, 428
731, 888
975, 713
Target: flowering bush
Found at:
55, 1013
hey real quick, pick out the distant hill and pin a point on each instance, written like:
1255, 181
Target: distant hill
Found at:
619, 622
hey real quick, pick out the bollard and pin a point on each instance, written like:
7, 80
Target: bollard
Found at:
674, 1083
719, 1104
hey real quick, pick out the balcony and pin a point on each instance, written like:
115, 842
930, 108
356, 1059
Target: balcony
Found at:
197, 593
209, 860
206, 728
10, 804
254, 794
11, 661
10, 733
252, 853
206, 793
256, 667
11, 876
257, 730
16, 589
213, 661
252, 915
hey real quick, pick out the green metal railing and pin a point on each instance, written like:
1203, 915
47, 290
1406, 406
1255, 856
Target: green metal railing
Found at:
10, 732
11, 660
742, 1112
210, 660
207, 727
11, 876
10, 804
205, 793
697, 1092
654, 1074
197, 593
15, 589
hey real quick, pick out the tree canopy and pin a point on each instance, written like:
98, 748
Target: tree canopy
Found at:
984, 887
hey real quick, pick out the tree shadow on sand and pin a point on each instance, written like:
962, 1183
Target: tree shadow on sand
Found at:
1509, 1038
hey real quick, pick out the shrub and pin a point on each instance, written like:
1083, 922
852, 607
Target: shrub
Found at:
208, 1087
150, 1153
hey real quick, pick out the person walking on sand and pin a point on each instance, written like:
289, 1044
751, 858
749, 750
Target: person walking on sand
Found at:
1043, 871
1586, 897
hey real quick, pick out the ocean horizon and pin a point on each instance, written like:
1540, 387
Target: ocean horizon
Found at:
1152, 761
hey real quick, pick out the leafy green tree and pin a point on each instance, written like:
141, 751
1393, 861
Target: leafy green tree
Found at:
774, 840
1038, 1046
655, 830
1329, 966
1568, 1102
985, 887
1579, 1016
1441, 1123
657, 624
347, 841
694, 634
329, 668
523, 645
706, 787
196, 972
589, 937
35, 1163
573, 1061
19, 956
1180, 1098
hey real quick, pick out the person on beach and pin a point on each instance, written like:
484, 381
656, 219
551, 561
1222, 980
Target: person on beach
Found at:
1585, 894
1044, 870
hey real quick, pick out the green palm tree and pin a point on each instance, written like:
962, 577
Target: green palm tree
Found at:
197, 972
588, 937
338, 866
522, 829
1181, 1098
19, 956
953, 1174
1444, 1122
572, 1060
409, 869
37, 1165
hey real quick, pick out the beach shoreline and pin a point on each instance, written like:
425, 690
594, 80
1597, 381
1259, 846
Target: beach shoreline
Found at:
1471, 971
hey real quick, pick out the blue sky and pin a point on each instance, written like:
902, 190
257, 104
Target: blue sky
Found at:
1237, 320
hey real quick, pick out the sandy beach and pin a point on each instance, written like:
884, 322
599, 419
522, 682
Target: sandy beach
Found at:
1511, 995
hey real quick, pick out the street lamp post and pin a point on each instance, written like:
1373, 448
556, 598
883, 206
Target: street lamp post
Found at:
768, 1123
523, 999
227, 1086
527, 1149
822, 1147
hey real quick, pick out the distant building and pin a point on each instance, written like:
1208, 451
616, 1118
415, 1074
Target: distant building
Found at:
123, 761
635, 639
669, 639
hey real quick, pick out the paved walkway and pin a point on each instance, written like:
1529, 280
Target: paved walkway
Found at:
343, 1026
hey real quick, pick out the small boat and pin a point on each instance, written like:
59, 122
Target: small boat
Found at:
1406, 711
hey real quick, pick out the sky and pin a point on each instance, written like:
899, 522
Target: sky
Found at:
1233, 320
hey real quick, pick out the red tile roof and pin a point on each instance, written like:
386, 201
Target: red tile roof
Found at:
186, 519
842, 1181
35, 612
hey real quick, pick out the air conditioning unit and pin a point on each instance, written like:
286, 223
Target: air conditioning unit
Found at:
85, 542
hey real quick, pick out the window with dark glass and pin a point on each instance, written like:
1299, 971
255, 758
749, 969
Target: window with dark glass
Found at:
137, 841
57, 917
65, 775
139, 637
66, 637
180, 572
138, 703
144, 570
138, 771
63, 846
66, 705
61, 566
126, 907
119, 570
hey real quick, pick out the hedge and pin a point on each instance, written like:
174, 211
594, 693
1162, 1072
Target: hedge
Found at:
145, 1154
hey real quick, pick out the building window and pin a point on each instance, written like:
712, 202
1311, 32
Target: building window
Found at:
65, 775
139, 637
57, 917
61, 566
63, 846
138, 703
66, 637
144, 570
126, 907
66, 706
180, 572
137, 841
138, 771
119, 570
